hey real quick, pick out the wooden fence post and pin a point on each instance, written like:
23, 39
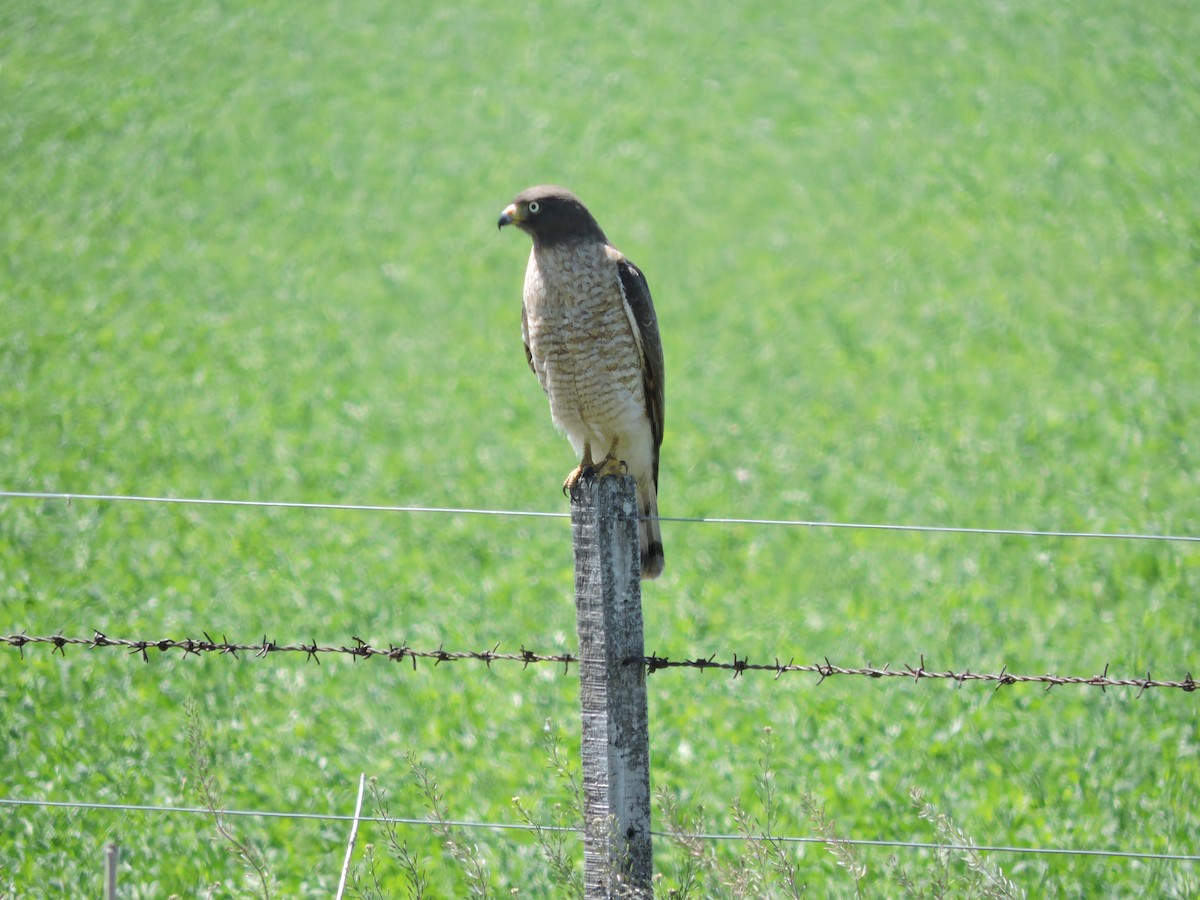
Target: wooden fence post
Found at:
112, 859
616, 733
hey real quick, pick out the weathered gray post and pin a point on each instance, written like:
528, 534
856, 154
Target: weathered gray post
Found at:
616, 733
112, 859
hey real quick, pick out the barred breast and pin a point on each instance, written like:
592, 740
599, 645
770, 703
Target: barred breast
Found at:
583, 346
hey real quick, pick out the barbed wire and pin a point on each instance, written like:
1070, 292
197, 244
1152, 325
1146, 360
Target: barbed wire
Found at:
526, 826
360, 649
1001, 679
695, 520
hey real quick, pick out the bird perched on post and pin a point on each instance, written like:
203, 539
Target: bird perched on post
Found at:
591, 337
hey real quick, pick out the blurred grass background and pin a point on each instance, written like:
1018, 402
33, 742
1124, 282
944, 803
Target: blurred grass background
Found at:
922, 262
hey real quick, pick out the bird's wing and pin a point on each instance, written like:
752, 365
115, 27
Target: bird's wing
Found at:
640, 309
525, 339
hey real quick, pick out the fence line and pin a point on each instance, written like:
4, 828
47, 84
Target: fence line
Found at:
523, 826
653, 663
609, 858
313, 651
693, 520
281, 504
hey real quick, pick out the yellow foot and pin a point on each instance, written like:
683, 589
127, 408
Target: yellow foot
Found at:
585, 469
610, 466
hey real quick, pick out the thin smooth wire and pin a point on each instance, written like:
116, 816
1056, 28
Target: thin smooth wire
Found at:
270, 814
917, 845
937, 529
702, 520
514, 826
284, 504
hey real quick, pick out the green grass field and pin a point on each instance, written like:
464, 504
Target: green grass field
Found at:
918, 262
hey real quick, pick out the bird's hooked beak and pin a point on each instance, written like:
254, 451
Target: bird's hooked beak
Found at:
510, 216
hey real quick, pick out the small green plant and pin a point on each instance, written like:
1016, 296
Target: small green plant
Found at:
766, 868
466, 854
983, 878
696, 857
844, 852
7, 888
559, 841
369, 887
770, 853
204, 783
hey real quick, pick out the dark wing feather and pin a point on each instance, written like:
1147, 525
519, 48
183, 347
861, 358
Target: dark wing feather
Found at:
525, 339
637, 295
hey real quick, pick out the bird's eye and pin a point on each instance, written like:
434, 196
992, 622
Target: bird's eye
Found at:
534, 207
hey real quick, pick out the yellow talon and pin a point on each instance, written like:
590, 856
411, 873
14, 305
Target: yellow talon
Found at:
610, 465
584, 470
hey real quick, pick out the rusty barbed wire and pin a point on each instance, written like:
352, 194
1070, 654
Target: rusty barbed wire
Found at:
653, 663
360, 650
1001, 679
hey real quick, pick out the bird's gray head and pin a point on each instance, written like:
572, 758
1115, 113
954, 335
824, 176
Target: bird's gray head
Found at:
551, 215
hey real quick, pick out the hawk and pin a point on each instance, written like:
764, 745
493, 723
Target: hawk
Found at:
591, 337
